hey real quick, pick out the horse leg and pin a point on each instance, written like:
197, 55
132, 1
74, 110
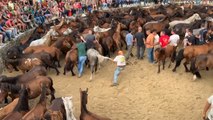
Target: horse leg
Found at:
159, 66
92, 71
164, 61
72, 66
185, 65
6, 100
65, 68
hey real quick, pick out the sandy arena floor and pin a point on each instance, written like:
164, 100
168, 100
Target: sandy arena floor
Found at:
142, 94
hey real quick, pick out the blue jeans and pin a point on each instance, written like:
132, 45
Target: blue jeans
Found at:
165, 1
150, 54
81, 61
116, 73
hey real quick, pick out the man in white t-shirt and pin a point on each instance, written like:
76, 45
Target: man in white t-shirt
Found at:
174, 39
208, 107
156, 39
121, 63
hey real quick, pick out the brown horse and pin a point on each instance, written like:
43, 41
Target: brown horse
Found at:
8, 109
201, 62
11, 85
71, 60
157, 25
190, 52
21, 108
38, 111
62, 44
162, 53
85, 114
56, 111
117, 36
54, 52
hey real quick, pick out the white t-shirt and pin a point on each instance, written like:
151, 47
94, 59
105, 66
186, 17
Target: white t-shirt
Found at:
120, 59
174, 39
156, 38
210, 114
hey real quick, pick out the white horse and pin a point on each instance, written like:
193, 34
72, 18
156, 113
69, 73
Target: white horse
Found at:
45, 40
95, 59
186, 21
99, 29
68, 105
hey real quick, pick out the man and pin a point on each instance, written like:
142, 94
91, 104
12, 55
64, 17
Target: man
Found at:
150, 45
156, 39
185, 40
129, 42
191, 39
174, 39
208, 107
81, 56
140, 39
202, 34
121, 63
90, 40
164, 39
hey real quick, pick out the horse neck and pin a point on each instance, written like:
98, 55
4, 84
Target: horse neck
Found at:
83, 107
191, 19
58, 44
118, 29
22, 103
43, 96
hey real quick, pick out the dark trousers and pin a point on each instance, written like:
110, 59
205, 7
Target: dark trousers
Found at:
140, 52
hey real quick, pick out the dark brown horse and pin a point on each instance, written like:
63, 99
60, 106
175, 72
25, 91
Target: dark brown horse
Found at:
11, 85
201, 62
21, 108
71, 60
56, 111
85, 114
190, 52
38, 111
162, 53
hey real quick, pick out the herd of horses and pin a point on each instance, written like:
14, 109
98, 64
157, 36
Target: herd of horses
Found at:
47, 44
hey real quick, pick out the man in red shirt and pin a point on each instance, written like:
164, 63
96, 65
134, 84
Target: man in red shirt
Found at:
164, 39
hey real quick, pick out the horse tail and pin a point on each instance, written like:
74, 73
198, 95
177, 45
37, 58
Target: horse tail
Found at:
52, 89
179, 58
194, 69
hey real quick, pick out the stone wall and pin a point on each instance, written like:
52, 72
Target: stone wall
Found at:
14, 42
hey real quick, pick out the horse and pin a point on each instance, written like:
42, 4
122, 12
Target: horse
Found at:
186, 21
12, 85
71, 60
8, 109
45, 40
85, 114
157, 25
60, 109
45, 58
190, 52
95, 60
21, 108
62, 44
53, 51
107, 44
201, 62
162, 53
117, 35
38, 111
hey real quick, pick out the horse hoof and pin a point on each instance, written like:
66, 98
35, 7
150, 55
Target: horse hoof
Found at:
73, 74
174, 70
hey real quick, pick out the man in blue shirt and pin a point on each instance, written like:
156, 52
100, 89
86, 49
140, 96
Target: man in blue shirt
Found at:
129, 42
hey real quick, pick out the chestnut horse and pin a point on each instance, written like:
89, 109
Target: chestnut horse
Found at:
21, 108
71, 60
190, 52
85, 114
201, 62
117, 36
38, 111
8, 109
162, 53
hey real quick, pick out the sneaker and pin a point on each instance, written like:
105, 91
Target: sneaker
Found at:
79, 75
114, 84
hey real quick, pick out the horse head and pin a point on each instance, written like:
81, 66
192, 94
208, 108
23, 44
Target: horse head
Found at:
197, 16
66, 43
84, 96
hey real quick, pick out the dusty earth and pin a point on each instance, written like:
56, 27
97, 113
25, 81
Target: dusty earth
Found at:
142, 94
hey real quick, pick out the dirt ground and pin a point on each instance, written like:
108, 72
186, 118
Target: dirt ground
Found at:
142, 94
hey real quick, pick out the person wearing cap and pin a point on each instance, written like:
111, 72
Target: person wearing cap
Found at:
121, 63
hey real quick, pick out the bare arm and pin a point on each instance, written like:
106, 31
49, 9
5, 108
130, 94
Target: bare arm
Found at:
206, 108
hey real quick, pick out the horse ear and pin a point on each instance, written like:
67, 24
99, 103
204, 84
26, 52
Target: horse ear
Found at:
80, 90
87, 90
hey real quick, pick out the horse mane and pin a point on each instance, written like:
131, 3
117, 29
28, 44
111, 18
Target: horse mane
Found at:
10, 87
22, 104
11, 80
42, 99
